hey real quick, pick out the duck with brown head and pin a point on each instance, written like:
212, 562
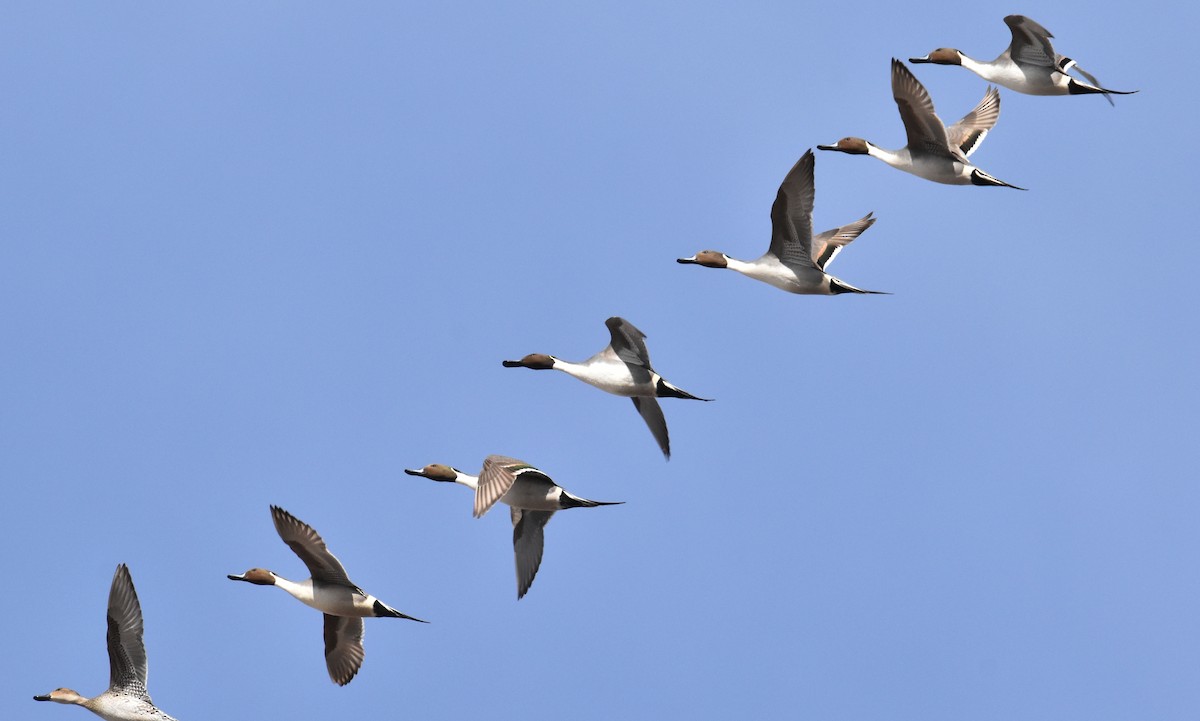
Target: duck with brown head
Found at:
329, 590
529, 493
934, 152
1028, 65
796, 259
623, 369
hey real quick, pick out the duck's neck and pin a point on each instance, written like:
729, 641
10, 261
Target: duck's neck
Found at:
302, 591
740, 266
896, 158
467, 480
985, 70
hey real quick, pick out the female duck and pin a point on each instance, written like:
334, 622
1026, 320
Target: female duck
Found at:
126, 698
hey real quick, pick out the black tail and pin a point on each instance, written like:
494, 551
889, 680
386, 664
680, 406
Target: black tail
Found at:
666, 390
978, 177
1074, 87
569, 501
386, 612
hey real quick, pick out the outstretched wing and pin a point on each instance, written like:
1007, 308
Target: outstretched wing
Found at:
1030, 42
926, 133
968, 133
827, 245
791, 215
126, 651
310, 547
528, 541
652, 413
628, 343
343, 647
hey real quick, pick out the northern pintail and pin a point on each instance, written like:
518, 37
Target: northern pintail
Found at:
796, 260
330, 591
623, 369
1029, 64
934, 152
532, 499
126, 698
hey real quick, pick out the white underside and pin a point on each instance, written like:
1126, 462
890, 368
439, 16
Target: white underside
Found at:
609, 374
939, 169
334, 600
771, 271
1028, 79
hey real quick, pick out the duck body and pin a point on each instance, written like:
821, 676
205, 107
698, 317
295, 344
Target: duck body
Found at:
622, 369
796, 259
934, 151
334, 599
111, 705
328, 590
1029, 65
532, 497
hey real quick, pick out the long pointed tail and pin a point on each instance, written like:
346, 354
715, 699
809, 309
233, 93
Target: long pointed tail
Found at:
569, 501
838, 287
384, 611
978, 177
667, 390
1074, 87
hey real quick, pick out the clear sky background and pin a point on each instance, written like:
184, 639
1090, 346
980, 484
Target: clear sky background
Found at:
273, 253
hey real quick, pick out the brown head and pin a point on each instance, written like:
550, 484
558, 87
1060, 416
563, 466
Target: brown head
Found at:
853, 146
941, 56
708, 259
257, 576
435, 472
61, 695
536, 361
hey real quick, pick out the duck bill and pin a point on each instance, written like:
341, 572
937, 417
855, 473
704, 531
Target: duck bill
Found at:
922, 59
686, 261
235, 577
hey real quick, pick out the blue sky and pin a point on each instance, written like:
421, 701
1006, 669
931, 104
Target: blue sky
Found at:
275, 254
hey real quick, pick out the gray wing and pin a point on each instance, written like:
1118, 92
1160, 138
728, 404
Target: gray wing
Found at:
126, 651
926, 133
629, 344
652, 413
308, 545
791, 215
343, 647
1030, 42
528, 540
498, 476
827, 245
968, 133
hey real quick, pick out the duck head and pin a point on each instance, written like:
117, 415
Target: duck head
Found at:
941, 56
257, 576
853, 146
61, 695
536, 361
435, 472
708, 259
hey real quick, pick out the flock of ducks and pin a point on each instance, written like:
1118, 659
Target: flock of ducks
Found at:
796, 261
